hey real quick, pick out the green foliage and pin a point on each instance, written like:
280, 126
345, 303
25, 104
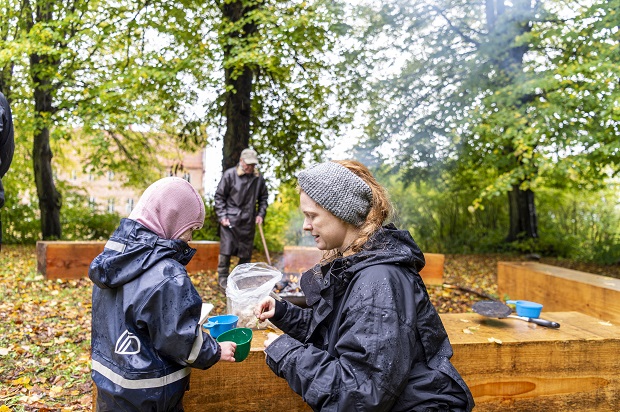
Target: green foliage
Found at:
80, 222
579, 225
559, 125
145, 85
20, 223
119, 72
439, 218
498, 95
131, 77
20, 216
209, 230
21, 220
297, 103
283, 223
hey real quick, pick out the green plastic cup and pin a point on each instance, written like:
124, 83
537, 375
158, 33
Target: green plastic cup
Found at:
242, 337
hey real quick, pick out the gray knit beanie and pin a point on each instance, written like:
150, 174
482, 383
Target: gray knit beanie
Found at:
338, 190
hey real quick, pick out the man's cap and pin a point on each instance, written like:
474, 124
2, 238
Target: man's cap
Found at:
249, 156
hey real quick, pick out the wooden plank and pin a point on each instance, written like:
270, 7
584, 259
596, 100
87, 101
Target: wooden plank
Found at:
66, 259
432, 272
560, 289
247, 386
71, 259
575, 367
205, 259
572, 368
296, 259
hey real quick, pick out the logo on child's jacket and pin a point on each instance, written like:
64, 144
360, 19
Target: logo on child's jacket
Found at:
127, 344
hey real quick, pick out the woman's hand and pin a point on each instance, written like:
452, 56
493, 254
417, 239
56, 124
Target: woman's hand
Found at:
228, 351
265, 309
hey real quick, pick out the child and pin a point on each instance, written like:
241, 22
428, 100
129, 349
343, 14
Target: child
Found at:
146, 314
370, 340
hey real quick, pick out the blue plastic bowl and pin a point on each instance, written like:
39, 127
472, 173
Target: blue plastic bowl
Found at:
527, 308
216, 325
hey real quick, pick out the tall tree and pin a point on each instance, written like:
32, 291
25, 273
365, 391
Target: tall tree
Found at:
468, 94
556, 125
281, 91
237, 80
88, 64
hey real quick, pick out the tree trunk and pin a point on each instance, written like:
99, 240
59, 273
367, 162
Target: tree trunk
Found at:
523, 220
238, 112
50, 199
237, 106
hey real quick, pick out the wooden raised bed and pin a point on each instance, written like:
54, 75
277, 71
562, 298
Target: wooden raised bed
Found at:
508, 364
560, 289
70, 260
302, 258
573, 368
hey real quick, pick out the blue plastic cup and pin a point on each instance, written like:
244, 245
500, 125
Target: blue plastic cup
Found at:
216, 325
526, 308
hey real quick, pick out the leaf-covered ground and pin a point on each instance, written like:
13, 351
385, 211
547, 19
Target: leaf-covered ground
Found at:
45, 329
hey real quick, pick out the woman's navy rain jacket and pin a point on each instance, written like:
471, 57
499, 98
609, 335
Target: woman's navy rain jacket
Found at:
370, 340
146, 330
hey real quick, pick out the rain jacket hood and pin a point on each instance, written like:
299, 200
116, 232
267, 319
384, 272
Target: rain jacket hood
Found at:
371, 339
389, 246
146, 322
144, 252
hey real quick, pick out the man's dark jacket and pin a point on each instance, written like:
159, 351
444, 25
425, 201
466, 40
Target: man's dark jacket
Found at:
370, 340
7, 142
240, 198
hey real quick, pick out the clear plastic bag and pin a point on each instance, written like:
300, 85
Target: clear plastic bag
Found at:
247, 285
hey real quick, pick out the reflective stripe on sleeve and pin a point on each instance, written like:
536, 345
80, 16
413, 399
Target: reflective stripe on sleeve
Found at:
204, 314
119, 247
139, 383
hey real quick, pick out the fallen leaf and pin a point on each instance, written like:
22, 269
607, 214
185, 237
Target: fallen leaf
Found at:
606, 323
468, 331
499, 342
56, 389
24, 380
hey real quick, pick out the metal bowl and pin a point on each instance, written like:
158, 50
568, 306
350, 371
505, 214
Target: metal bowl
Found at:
295, 298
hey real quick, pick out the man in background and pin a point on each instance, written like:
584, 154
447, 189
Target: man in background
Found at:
240, 205
7, 146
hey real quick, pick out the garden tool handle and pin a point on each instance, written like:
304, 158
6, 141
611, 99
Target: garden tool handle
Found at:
262, 236
543, 322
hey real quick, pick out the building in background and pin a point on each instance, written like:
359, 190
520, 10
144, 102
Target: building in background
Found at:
107, 193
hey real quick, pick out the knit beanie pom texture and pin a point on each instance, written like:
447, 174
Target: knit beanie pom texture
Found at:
338, 190
169, 207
